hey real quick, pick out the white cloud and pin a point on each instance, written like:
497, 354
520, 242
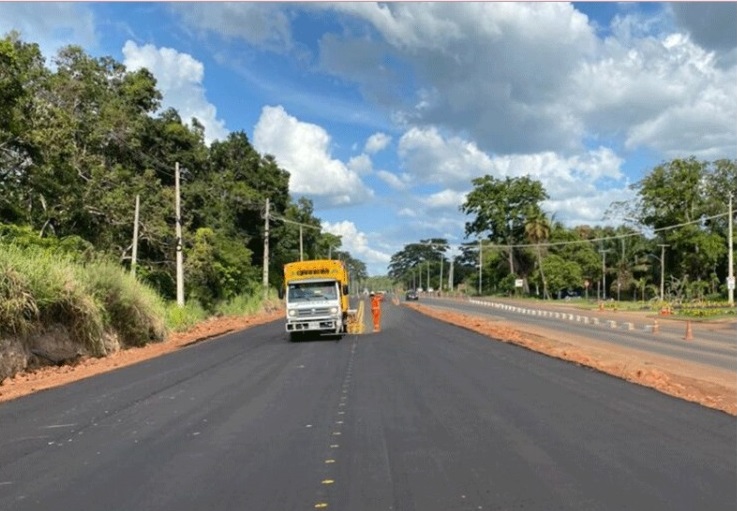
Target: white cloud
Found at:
443, 200
179, 78
261, 24
304, 150
357, 243
377, 142
361, 164
395, 182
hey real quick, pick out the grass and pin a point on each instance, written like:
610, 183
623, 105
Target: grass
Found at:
40, 287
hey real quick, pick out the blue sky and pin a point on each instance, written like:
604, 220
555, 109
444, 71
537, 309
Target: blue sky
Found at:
384, 113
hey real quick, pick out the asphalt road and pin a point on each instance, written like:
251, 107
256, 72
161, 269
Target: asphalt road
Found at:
716, 347
422, 416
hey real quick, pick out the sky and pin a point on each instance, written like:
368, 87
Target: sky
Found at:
384, 113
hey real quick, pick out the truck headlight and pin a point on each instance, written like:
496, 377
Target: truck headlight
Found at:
292, 312
333, 310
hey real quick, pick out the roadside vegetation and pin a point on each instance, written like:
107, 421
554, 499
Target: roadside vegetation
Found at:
80, 139
665, 249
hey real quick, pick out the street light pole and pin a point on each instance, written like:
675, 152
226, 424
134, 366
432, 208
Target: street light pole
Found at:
662, 271
603, 273
481, 265
730, 270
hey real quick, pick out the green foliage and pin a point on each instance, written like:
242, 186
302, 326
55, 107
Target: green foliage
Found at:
562, 274
179, 319
240, 305
219, 269
132, 309
40, 288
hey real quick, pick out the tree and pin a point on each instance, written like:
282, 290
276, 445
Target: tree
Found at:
500, 209
562, 274
537, 229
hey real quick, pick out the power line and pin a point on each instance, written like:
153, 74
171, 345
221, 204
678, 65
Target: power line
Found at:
606, 238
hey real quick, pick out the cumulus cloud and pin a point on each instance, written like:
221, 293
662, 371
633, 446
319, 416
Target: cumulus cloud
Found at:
304, 150
179, 77
712, 25
361, 164
572, 182
377, 142
481, 68
357, 243
395, 182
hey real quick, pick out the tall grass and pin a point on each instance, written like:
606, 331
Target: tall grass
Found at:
41, 287
179, 319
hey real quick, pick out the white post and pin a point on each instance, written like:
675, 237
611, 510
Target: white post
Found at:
134, 256
180, 255
481, 264
730, 279
265, 280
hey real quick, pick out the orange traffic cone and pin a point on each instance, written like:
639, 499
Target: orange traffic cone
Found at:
689, 332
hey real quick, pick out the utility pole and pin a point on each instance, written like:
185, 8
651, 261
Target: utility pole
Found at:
730, 278
481, 258
134, 256
180, 254
662, 271
301, 257
428, 274
603, 272
265, 281
441, 272
450, 274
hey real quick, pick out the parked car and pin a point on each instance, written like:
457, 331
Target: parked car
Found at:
411, 295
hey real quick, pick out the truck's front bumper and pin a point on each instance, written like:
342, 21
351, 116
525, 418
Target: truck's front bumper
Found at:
314, 325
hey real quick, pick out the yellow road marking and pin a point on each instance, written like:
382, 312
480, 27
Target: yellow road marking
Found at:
329, 461
321, 505
328, 481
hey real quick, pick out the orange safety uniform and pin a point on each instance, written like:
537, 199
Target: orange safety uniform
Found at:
376, 311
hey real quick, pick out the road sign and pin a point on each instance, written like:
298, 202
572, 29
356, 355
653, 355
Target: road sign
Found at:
730, 283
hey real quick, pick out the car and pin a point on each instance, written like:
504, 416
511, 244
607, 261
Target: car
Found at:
411, 295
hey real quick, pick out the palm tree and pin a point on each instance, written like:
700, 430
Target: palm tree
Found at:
537, 230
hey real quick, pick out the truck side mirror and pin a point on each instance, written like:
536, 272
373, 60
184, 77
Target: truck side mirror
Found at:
345, 290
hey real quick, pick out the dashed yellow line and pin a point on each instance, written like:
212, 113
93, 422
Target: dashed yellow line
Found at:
328, 481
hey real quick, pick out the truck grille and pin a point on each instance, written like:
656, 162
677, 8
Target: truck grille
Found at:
315, 312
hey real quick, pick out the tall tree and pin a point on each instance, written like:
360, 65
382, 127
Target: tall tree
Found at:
500, 209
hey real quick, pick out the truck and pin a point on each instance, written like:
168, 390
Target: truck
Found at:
316, 294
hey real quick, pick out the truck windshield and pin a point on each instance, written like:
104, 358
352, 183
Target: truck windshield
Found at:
312, 291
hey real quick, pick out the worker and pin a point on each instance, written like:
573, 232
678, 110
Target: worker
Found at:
376, 310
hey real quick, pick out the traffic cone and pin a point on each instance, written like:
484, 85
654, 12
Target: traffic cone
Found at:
689, 332
601, 306
656, 326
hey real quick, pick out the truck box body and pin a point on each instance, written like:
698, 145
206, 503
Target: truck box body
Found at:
316, 296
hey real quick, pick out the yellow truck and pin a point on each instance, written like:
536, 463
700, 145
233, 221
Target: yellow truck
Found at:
316, 293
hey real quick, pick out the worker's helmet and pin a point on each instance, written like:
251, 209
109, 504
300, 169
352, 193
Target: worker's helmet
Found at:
372, 293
